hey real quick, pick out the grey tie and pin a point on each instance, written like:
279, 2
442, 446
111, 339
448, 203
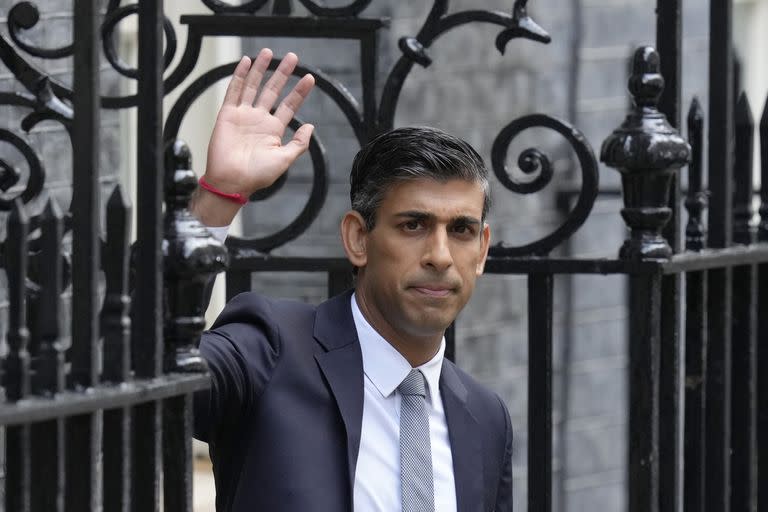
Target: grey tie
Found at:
415, 453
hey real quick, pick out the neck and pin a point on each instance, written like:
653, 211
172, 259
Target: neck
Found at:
416, 349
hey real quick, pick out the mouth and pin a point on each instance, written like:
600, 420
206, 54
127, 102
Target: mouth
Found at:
431, 290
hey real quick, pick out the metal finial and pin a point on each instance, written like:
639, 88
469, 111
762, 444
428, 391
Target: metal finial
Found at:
192, 257
180, 178
646, 150
646, 83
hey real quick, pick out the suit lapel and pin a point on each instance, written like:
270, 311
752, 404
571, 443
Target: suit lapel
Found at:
342, 366
466, 448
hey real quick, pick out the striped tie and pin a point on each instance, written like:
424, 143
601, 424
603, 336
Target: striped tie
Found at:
415, 452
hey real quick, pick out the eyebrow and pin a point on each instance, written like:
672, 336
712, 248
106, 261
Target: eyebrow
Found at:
425, 216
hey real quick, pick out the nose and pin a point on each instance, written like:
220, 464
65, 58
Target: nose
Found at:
437, 253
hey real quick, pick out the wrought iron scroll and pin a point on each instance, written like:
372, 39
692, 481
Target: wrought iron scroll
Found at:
48, 97
10, 176
516, 25
531, 161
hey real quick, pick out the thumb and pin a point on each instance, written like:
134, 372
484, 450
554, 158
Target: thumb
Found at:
300, 142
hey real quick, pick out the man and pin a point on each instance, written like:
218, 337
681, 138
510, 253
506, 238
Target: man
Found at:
350, 405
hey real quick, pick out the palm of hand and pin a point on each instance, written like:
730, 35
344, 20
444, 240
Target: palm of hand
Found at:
246, 153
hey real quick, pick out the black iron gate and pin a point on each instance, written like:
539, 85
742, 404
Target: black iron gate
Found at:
99, 419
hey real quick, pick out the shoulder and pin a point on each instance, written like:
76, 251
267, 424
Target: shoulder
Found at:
260, 311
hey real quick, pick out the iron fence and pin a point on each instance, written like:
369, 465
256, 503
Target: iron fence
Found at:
102, 422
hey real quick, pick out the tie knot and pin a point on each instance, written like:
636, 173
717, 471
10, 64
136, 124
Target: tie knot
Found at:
413, 384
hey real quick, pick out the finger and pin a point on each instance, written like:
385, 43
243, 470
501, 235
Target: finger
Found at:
292, 102
299, 143
276, 82
254, 77
236, 82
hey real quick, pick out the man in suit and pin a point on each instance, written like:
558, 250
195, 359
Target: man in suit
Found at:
351, 405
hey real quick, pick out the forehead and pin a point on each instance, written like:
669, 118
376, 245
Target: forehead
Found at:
451, 197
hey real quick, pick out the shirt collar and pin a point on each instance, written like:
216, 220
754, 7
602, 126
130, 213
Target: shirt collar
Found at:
384, 365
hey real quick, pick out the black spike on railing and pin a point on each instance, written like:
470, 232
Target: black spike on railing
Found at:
16, 374
694, 446
17, 383
115, 320
646, 150
49, 372
743, 326
743, 190
116, 328
47, 437
762, 230
192, 258
696, 200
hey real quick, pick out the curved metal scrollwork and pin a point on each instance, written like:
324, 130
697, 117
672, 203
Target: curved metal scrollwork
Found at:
245, 8
111, 21
533, 161
284, 6
23, 16
307, 215
46, 97
333, 88
352, 9
516, 25
10, 177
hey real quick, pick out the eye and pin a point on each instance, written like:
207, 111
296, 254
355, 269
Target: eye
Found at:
463, 229
411, 225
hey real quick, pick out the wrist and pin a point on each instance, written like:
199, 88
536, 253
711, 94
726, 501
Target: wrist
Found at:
211, 209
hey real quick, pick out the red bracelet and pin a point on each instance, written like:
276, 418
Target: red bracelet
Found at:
235, 198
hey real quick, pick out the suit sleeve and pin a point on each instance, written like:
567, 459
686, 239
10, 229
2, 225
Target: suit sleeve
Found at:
241, 350
504, 493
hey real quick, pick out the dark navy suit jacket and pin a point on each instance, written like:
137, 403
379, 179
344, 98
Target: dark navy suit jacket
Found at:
284, 413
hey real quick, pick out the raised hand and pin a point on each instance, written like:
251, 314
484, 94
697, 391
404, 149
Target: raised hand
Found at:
246, 152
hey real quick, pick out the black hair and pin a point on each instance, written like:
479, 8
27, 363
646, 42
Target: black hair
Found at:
411, 153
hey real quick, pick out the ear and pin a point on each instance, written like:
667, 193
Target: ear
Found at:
354, 236
485, 244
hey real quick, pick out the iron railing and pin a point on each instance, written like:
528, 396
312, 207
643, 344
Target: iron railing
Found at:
84, 423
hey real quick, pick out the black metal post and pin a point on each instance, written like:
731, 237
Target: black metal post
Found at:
720, 151
16, 371
695, 325
647, 151
146, 339
47, 438
192, 257
116, 326
540, 307
84, 435
762, 319
669, 43
744, 401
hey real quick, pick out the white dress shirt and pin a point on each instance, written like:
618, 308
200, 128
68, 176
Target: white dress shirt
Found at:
377, 475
